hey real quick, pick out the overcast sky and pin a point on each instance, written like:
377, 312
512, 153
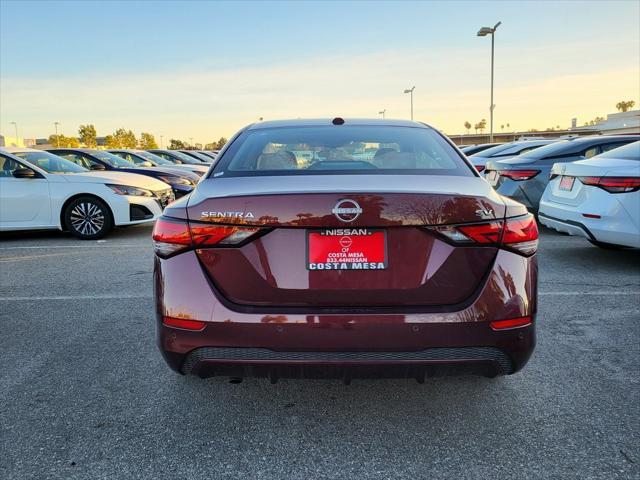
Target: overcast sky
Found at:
205, 69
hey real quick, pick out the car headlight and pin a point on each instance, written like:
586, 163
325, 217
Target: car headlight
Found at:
132, 191
176, 181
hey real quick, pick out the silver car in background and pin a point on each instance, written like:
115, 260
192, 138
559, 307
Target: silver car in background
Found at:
525, 177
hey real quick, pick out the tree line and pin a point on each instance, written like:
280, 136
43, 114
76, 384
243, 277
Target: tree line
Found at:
122, 138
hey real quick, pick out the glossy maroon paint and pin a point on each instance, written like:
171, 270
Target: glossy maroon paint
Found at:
509, 291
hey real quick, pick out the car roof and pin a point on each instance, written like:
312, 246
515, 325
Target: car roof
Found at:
319, 122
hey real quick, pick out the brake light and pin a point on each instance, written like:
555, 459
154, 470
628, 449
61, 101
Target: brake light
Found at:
480, 168
518, 234
519, 175
171, 236
521, 234
209, 235
510, 323
483, 233
184, 323
613, 184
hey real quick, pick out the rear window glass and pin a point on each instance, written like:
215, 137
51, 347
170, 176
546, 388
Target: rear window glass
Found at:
330, 150
494, 150
630, 151
50, 163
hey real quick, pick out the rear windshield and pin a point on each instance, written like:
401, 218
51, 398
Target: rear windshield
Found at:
111, 159
331, 150
630, 151
494, 150
49, 162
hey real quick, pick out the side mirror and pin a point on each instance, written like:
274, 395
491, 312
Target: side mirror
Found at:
24, 173
97, 166
145, 164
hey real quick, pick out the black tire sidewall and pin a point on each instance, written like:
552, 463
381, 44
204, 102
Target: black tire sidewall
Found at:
108, 221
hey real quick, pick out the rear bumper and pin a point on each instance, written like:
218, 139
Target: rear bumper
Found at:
615, 225
366, 344
527, 192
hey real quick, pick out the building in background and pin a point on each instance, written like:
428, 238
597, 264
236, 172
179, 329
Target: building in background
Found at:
7, 141
615, 124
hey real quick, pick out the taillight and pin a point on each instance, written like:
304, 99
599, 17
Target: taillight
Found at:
480, 168
519, 234
171, 236
519, 175
184, 323
210, 235
613, 184
510, 323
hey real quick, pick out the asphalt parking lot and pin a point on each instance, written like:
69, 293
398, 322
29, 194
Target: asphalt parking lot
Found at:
85, 393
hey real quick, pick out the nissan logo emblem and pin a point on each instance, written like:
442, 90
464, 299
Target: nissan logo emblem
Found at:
347, 210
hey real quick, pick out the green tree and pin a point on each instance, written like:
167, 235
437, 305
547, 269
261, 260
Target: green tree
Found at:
87, 135
64, 142
121, 138
625, 106
481, 125
147, 141
467, 125
177, 145
220, 143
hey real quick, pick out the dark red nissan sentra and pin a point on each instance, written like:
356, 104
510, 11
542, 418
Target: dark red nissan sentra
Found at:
345, 248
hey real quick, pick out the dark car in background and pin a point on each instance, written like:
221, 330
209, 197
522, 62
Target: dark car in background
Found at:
525, 177
472, 149
505, 150
142, 157
181, 183
174, 155
212, 154
197, 155
331, 262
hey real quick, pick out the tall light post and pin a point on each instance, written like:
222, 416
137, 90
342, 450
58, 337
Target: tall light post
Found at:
410, 91
57, 137
382, 112
15, 124
483, 32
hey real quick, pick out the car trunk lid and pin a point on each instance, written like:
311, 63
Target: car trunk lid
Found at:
398, 262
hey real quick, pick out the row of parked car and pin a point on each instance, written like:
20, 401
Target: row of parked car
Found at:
88, 192
585, 186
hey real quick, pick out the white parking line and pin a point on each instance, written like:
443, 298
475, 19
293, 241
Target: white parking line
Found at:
47, 247
128, 296
76, 297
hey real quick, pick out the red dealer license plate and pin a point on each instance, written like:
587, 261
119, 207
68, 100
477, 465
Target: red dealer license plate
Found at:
346, 249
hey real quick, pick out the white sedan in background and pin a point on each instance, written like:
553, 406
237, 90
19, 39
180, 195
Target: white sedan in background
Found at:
598, 198
39, 190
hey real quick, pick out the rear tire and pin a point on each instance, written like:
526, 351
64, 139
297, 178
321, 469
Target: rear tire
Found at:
88, 218
607, 246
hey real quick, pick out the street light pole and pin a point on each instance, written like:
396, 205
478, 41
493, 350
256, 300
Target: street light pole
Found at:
382, 112
57, 137
410, 91
483, 32
15, 124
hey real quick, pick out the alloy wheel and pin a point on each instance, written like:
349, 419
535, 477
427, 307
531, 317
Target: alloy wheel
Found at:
87, 218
